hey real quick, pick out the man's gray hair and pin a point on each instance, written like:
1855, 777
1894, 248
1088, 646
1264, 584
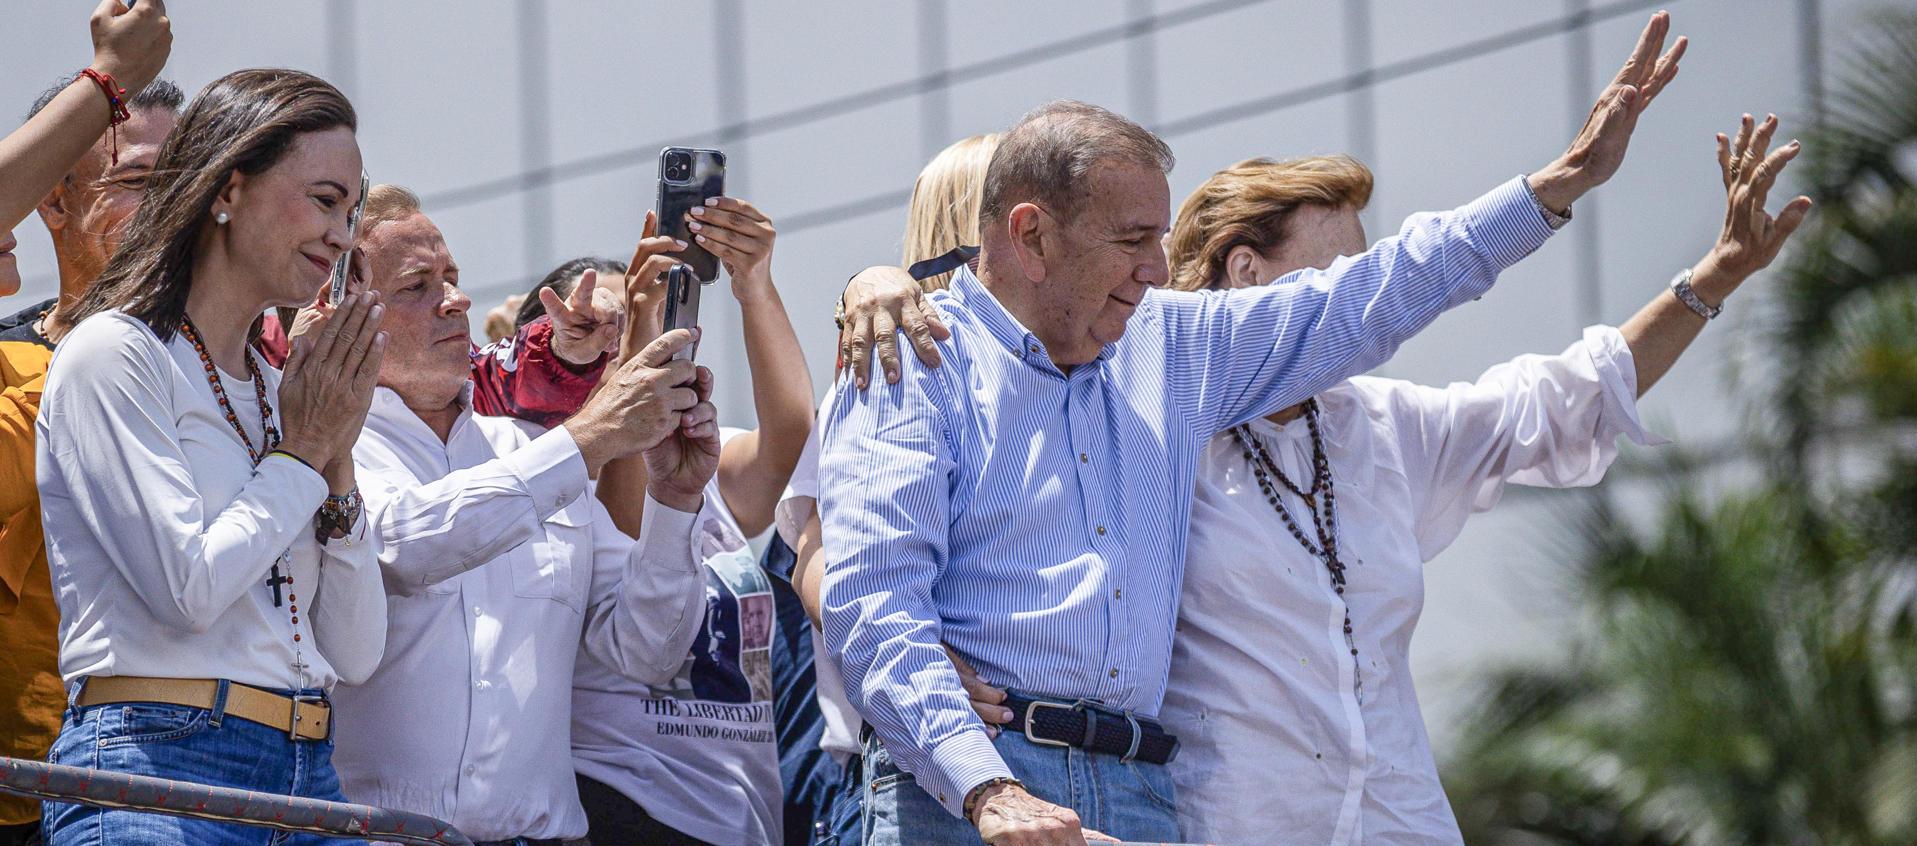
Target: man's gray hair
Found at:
158, 94
1046, 157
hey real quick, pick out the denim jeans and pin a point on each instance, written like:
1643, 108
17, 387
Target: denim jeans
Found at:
1129, 800
190, 744
821, 797
842, 812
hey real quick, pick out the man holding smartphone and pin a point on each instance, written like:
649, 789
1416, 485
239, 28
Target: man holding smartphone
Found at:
501, 566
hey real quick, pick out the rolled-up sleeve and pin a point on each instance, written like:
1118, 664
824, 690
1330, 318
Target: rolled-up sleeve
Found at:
885, 490
1540, 420
1246, 353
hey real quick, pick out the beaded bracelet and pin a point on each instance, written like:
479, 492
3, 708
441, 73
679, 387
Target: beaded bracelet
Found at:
116, 104
338, 515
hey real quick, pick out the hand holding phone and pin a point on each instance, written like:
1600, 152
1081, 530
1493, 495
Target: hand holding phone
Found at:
682, 306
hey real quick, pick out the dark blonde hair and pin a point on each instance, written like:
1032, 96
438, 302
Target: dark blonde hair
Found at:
244, 122
945, 201
386, 203
1250, 204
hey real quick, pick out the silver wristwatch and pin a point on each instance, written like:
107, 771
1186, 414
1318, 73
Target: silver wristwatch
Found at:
1681, 288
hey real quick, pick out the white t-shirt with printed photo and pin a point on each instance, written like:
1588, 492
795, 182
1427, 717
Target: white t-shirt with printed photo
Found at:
699, 754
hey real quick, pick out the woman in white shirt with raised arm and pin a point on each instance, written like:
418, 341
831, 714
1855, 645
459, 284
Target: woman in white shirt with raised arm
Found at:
201, 516
1290, 685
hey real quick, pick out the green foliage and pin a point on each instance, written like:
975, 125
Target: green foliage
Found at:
1748, 673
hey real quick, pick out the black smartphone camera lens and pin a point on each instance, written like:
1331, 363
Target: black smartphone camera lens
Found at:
678, 166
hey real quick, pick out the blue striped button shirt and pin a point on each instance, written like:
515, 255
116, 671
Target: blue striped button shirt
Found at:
1035, 520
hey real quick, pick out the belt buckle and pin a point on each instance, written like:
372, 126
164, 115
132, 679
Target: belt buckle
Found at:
1031, 724
293, 721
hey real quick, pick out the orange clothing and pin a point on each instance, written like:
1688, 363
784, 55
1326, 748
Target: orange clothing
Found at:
31, 696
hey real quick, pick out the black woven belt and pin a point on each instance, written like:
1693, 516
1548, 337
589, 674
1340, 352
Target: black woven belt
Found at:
1092, 727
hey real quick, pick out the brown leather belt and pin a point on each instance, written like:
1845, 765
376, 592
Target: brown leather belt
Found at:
303, 718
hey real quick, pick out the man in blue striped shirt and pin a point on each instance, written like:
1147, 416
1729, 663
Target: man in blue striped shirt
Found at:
1027, 502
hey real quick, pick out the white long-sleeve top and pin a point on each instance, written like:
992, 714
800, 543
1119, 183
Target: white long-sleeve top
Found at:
501, 566
161, 533
1286, 736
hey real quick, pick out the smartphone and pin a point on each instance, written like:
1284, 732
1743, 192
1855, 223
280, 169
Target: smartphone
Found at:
682, 306
687, 178
343, 266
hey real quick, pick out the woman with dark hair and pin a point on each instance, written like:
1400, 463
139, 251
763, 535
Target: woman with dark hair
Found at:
202, 520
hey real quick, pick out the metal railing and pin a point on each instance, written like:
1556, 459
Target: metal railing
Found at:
148, 794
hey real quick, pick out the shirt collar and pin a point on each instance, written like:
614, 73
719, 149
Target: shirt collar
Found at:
977, 299
387, 406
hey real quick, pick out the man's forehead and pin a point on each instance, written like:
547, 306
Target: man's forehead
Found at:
412, 242
1126, 197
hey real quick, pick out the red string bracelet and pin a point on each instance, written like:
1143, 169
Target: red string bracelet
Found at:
115, 102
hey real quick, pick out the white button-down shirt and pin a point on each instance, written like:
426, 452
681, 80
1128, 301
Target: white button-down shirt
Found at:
1285, 734
161, 533
501, 566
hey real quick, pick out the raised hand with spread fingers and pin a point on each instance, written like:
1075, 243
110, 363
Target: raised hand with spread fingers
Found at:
1598, 149
1749, 240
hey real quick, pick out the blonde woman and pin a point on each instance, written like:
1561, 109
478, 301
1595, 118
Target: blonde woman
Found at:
1351, 492
823, 783
944, 211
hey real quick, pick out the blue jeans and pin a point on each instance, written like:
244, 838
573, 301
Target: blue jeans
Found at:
842, 812
1129, 800
190, 744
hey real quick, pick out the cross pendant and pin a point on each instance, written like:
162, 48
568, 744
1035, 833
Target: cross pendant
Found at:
274, 581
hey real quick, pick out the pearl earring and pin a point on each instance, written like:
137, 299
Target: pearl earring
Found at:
222, 218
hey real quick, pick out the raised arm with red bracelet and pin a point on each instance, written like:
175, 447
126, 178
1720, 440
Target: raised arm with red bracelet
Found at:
129, 48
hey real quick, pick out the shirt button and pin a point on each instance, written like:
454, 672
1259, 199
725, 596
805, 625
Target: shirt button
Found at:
1034, 348
470, 769
1114, 672
475, 610
1101, 531
1118, 593
1084, 459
